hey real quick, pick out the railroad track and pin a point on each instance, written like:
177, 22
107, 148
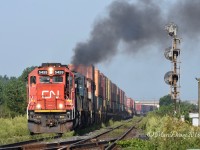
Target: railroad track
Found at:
97, 141
20, 145
91, 141
111, 146
36, 144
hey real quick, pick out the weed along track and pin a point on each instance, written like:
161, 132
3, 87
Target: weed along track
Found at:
98, 139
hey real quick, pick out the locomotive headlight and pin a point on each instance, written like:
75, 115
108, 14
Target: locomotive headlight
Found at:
50, 70
38, 106
60, 106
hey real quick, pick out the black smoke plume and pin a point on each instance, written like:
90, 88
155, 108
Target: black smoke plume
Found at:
186, 14
137, 25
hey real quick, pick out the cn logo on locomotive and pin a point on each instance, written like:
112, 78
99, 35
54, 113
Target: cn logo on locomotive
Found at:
50, 94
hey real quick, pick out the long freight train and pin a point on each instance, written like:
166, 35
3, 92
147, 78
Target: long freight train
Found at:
61, 98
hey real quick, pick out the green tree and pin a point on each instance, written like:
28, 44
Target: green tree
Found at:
15, 96
24, 75
167, 107
165, 110
4, 111
1, 93
186, 108
165, 101
4, 79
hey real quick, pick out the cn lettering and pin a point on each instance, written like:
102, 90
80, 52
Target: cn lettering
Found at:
50, 94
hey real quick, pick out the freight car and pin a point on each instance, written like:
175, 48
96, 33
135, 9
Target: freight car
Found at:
61, 98
138, 108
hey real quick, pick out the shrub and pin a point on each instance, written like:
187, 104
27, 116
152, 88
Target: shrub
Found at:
165, 133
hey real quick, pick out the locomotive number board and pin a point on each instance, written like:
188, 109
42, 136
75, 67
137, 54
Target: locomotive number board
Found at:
45, 72
58, 72
42, 72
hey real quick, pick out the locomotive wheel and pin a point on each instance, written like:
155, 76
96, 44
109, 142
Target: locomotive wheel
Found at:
83, 119
76, 123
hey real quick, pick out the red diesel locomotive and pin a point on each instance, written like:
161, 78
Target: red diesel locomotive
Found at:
61, 98
51, 107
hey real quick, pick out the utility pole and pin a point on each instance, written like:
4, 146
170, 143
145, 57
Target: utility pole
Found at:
198, 79
173, 54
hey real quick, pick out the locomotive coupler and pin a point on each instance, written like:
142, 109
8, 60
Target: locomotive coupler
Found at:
51, 123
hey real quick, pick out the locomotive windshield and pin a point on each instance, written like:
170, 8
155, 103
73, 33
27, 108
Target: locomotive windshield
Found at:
47, 79
44, 79
57, 79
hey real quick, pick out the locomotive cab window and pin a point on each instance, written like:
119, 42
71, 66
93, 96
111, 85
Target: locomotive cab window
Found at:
44, 79
70, 80
57, 79
33, 80
69, 84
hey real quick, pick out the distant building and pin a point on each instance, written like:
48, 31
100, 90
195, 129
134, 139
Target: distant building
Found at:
195, 118
143, 107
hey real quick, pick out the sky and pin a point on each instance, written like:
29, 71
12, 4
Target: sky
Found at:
34, 31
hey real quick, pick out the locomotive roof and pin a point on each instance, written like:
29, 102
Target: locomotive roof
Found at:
52, 64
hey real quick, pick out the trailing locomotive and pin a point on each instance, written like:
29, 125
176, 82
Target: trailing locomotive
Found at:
61, 98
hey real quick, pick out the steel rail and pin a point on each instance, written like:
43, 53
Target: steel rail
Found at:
71, 146
112, 145
18, 145
121, 137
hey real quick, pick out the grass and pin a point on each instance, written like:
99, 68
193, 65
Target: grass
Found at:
14, 130
87, 130
165, 132
127, 125
116, 133
103, 125
68, 134
97, 127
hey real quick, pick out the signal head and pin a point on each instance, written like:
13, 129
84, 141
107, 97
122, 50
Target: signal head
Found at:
172, 29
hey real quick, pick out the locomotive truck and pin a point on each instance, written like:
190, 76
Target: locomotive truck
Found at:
62, 98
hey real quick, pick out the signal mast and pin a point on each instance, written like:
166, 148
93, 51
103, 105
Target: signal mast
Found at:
172, 53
